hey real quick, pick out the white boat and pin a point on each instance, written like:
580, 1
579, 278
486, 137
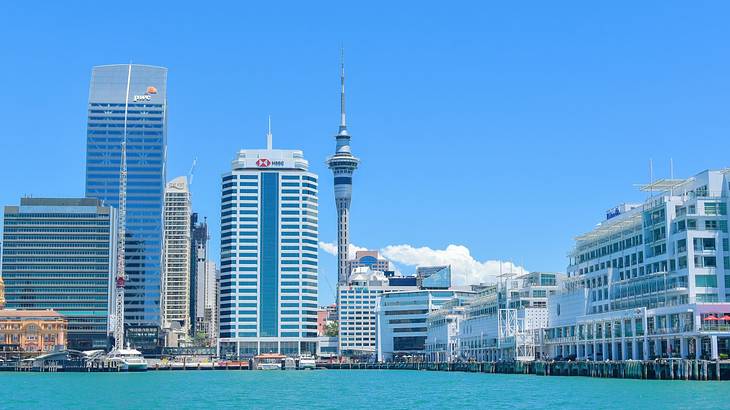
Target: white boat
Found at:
290, 364
268, 366
269, 361
130, 360
307, 362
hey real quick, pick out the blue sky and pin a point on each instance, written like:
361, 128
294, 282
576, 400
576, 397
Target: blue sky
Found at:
501, 129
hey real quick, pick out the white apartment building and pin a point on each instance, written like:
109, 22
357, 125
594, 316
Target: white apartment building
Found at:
356, 313
176, 258
269, 231
652, 279
505, 321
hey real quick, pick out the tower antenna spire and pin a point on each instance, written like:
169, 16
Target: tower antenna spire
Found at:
343, 119
269, 137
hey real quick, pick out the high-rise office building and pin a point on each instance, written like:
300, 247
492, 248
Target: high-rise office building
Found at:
269, 230
198, 256
176, 257
128, 102
343, 164
204, 282
60, 254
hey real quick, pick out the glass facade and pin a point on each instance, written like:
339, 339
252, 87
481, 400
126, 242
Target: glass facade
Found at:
129, 102
58, 254
269, 238
434, 277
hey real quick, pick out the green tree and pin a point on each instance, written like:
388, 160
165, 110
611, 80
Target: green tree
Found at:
331, 329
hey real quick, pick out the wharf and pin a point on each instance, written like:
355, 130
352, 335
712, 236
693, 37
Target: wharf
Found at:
671, 369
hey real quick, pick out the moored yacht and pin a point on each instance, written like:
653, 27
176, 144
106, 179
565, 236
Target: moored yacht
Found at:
307, 362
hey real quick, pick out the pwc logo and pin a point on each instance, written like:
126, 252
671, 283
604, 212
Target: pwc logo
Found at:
151, 90
263, 163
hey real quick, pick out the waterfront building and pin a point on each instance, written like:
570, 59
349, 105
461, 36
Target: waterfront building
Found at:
327, 347
343, 164
442, 338
176, 259
33, 330
652, 279
505, 321
269, 254
370, 259
401, 328
128, 102
357, 310
59, 253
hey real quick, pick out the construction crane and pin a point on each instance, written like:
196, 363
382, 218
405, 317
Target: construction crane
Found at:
120, 281
192, 171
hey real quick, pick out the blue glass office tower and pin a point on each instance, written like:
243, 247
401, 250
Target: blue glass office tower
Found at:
59, 253
269, 230
129, 101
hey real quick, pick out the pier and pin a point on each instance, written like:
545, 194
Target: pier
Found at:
671, 369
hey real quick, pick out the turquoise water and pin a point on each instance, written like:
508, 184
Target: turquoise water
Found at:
352, 389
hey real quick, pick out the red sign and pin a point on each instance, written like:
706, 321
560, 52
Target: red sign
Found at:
263, 162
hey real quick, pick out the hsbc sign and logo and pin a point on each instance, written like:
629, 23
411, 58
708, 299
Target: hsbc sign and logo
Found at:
265, 163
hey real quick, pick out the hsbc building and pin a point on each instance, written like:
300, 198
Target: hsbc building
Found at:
269, 262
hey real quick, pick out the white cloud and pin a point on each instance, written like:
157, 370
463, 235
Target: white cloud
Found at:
465, 270
331, 248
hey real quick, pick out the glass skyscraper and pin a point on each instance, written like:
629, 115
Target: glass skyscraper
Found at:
269, 229
59, 254
128, 101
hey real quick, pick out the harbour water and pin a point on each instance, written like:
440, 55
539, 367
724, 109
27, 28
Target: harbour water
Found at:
352, 389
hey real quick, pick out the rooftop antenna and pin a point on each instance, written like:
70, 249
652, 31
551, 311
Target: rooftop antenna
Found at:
269, 142
671, 175
343, 119
651, 178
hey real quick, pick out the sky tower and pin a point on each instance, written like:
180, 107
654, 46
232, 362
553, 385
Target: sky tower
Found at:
342, 164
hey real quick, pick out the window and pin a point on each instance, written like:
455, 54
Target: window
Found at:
682, 245
706, 281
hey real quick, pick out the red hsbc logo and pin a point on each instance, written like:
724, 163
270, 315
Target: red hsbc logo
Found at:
263, 163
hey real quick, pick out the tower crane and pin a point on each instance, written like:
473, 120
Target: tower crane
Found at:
120, 280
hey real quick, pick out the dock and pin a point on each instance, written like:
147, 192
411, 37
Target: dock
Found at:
667, 369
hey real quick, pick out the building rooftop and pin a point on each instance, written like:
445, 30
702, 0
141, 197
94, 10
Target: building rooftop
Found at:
29, 313
60, 202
